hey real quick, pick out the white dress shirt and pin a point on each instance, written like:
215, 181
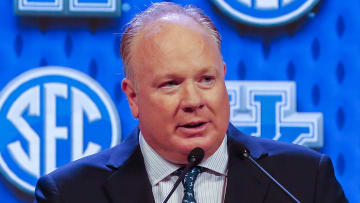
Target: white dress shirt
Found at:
209, 186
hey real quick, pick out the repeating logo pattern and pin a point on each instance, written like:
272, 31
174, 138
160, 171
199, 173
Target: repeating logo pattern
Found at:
50, 116
268, 110
265, 12
68, 7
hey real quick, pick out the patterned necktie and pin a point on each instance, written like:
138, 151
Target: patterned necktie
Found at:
188, 183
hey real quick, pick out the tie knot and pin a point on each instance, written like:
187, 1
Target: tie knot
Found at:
196, 170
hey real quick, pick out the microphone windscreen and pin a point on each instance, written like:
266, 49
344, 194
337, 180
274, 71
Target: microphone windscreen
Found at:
196, 155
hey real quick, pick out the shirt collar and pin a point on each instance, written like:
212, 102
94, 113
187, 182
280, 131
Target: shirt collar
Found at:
218, 161
158, 168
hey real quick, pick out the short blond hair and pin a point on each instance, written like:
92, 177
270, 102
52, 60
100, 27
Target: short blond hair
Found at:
154, 12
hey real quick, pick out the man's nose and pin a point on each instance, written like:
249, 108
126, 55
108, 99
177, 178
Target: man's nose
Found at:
191, 98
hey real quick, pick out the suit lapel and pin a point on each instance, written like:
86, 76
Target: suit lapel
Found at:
129, 181
245, 183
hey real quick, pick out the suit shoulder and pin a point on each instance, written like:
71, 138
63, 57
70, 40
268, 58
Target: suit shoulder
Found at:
287, 156
279, 148
82, 176
89, 166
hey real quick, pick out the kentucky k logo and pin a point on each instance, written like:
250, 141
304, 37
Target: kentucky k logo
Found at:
50, 116
268, 109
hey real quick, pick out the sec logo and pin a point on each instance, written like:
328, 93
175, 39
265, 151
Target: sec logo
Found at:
50, 116
265, 12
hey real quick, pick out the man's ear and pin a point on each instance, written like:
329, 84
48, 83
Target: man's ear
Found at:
224, 68
129, 89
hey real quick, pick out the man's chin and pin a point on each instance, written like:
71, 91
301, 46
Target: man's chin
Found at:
186, 148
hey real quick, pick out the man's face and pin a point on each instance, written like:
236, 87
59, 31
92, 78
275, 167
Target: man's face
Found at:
180, 96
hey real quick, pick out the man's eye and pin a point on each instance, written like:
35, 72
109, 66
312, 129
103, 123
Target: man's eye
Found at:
207, 79
169, 84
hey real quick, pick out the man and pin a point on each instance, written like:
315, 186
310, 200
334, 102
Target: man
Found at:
175, 87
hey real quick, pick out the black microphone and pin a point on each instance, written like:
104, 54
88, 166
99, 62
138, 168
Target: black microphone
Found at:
246, 155
194, 158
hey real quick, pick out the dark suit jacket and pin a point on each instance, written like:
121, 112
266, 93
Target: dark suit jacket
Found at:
119, 175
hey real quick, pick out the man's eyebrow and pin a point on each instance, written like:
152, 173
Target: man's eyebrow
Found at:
164, 76
206, 69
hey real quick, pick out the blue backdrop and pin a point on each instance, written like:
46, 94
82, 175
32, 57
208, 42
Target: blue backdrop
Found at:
319, 52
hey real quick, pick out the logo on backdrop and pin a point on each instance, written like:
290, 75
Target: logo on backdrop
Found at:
265, 12
50, 116
268, 110
68, 7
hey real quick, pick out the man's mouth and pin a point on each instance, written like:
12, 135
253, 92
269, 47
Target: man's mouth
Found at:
191, 125
194, 128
